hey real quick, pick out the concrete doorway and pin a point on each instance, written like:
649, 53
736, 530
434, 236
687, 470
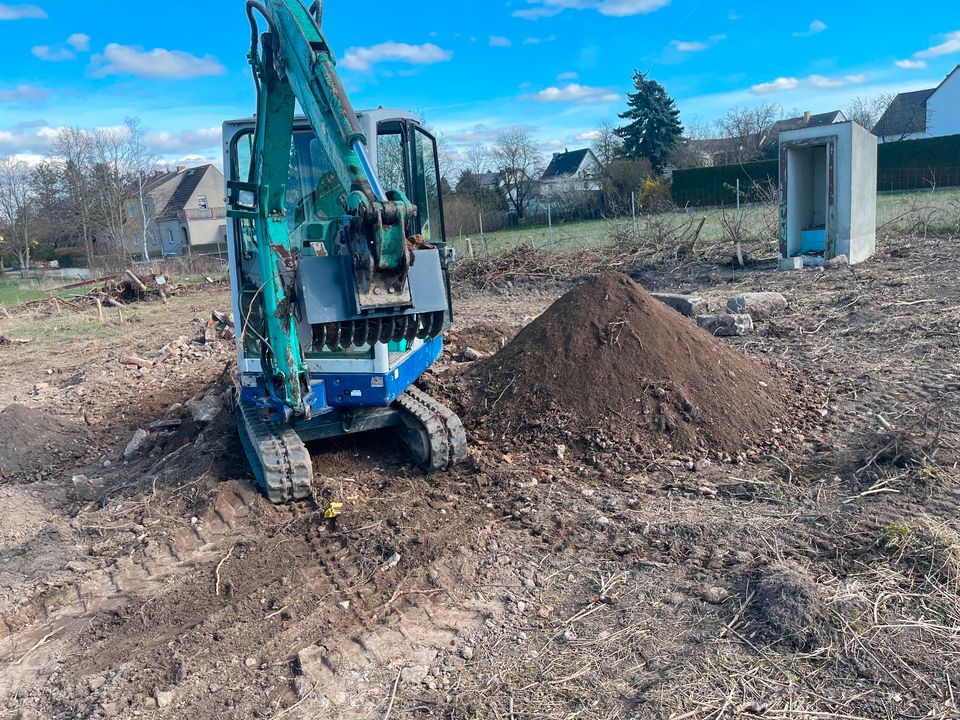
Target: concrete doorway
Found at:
808, 200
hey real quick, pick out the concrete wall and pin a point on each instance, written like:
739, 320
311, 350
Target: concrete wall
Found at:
943, 108
863, 191
851, 220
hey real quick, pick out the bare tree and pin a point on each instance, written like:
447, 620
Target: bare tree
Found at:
141, 164
73, 149
750, 130
476, 157
16, 209
607, 145
113, 184
519, 162
866, 111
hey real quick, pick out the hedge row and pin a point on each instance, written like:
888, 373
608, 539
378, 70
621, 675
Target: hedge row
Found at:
718, 185
939, 152
905, 165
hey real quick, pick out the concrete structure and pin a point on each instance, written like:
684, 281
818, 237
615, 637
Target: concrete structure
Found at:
185, 211
934, 112
828, 194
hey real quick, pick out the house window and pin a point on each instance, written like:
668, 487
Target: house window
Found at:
170, 236
202, 202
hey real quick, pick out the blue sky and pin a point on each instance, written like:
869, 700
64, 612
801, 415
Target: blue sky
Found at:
471, 68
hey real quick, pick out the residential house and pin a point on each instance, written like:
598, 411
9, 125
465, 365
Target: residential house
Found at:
571, 170
923, 113
185, 211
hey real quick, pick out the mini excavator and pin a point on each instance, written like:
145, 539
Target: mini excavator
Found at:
337, 259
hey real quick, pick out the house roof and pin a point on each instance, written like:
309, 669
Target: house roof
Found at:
907, 113
565, 163
158, 180
819, 120
189, 181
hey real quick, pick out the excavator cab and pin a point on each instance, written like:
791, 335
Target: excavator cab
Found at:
404, 156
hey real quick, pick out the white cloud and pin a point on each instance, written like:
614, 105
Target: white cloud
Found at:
950, 45
588, 136
911, 64
539, 41
364, 58
612, 8
500, 41
119, 59
25, 94
79, 42
21, 12
688, 47
784, 84
52, 54
567, 76
781, 84
184, 141
817, 26
574, 93
821, 81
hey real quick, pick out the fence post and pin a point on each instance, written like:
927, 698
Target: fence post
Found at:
549, 225
633, 214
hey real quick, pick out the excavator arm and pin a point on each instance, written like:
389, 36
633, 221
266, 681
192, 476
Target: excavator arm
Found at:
292, 62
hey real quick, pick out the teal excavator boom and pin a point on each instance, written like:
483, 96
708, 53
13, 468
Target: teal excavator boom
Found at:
351, 301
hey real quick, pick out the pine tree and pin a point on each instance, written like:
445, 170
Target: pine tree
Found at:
654, 127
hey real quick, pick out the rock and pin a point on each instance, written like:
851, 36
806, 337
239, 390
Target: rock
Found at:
345, 605
471, 355
414, 675
467, 653
837, 262
689, 305
205, 410
758, 304
726, 325
163, 697
250, 662
136, 442
715, 595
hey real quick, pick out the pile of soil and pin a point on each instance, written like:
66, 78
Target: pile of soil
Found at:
608, 359
33, 440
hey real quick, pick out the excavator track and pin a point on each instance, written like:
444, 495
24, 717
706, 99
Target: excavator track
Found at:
278, 457
433, 434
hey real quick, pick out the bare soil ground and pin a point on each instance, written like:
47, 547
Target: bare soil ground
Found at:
816, 576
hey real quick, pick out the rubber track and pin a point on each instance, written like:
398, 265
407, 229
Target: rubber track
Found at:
283, 466
456, 434
416, 412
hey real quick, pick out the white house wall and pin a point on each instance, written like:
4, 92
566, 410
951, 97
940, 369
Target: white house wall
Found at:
943, 108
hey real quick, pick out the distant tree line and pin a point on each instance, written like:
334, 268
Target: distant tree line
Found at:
76, 202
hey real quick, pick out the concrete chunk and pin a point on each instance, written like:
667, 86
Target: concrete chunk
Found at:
726, 325
758, 304
689, 305
791, 263
136, 442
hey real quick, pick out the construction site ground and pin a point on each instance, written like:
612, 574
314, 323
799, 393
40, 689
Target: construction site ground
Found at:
817, 576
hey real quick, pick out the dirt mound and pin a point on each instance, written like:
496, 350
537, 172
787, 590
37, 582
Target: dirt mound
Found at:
609, 360
789, 607
32, 441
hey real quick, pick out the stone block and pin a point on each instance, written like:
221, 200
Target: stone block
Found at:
689, 305
758, 304
726, 325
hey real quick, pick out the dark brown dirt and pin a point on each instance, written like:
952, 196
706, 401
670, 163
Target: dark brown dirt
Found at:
33, 441
789, 606
609, 356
